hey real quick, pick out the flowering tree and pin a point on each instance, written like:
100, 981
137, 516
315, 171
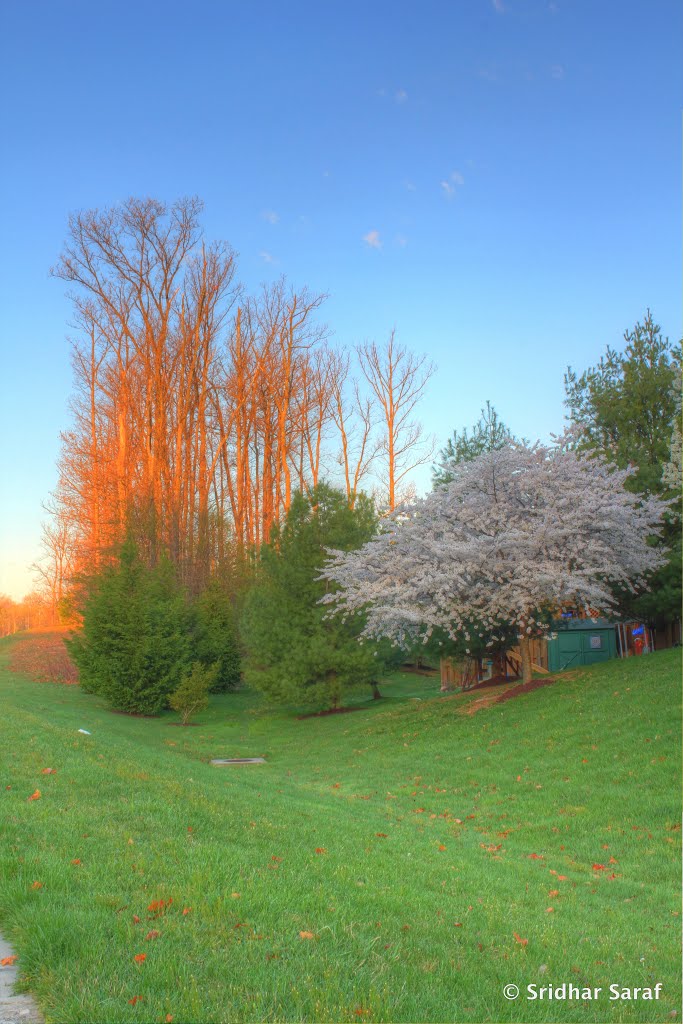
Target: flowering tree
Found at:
518, 533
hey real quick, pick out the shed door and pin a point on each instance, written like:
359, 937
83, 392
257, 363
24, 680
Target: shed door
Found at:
569, 649
595, 647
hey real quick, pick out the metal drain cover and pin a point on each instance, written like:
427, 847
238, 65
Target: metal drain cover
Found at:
238, 760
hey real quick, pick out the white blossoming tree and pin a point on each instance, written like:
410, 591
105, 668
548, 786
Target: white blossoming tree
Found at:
516, 535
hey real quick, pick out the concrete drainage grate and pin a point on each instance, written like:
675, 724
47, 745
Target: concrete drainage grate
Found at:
220, 761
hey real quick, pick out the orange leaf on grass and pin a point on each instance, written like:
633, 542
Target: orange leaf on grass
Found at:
320, 849
554, 892
562, 878
613, 860
235, 895
169, 1018
550, 910
154, 934
136, 919
186, 911
37, 885
135, 999
35, 796
441, 846
306, 935
49, 771
520, 940
598, 867
535, 856
76, 861
140, 958
7, 961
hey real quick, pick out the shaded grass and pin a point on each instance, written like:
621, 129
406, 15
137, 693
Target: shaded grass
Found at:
480, 817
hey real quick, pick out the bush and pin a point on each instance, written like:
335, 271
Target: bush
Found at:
193, 693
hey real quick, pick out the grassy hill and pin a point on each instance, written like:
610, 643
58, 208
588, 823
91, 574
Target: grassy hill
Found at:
402, 863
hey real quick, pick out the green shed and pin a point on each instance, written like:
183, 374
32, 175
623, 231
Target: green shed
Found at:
581, 642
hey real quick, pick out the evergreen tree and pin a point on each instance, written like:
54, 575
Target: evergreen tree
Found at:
215, 640
489, 434
135, 644
296, 654
628, 410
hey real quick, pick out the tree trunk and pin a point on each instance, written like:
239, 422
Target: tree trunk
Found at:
525, 651
376, 695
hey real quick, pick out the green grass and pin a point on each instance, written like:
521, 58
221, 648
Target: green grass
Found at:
545, 785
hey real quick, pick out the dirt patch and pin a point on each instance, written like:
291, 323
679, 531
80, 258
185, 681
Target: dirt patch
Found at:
43, 658
330, 711
419, 671
494, 681
517, 691
180, 725
495, 696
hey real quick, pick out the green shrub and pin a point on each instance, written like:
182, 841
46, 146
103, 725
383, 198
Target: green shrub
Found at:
193, 693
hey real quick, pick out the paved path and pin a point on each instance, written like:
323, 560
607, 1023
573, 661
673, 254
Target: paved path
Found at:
14, 1009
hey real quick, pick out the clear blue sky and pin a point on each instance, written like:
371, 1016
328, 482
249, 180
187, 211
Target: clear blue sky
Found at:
498, 179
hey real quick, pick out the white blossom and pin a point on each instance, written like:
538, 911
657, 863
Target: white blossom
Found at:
518, 529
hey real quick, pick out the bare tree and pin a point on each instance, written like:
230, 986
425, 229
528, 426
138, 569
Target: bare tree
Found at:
397, 379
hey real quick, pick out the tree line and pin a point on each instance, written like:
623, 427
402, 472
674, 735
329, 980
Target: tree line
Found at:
200, 410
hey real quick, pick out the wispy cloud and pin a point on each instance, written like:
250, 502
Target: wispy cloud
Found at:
271, 216
557, 71
410, 186
498, 6
373, 240
401, 241
450, 184
401, 96
266, 256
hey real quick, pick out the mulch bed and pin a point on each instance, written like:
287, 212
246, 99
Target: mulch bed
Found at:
331, 711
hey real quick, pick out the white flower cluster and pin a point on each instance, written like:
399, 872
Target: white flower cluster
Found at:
523, 528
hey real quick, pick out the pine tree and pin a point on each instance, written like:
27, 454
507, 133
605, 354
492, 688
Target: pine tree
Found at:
296, 654
134, 645
215, 640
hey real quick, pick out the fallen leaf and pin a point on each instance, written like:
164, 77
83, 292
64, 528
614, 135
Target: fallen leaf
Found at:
7, 961
550, 910
35, 796
135, 999
613, 860
320, 849
186, 911
520, 940
169, 1018
441, 846
76, 861
554, 892
381, 835
136, 919
140, 958
535, 856
37, 885
235, 895
598, 867
49, 771
562, 878
306, 935
153, 934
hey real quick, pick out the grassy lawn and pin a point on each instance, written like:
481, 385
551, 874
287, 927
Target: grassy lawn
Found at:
402, 863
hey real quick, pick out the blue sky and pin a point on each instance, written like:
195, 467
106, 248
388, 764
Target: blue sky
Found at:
499, 180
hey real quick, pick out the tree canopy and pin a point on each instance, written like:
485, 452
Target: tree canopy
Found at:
488, 434
520, 531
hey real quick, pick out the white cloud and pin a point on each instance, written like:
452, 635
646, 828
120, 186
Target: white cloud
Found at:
373, 240
557, 71
266, 256
498, 6
271, 216
449, 186
410, 186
